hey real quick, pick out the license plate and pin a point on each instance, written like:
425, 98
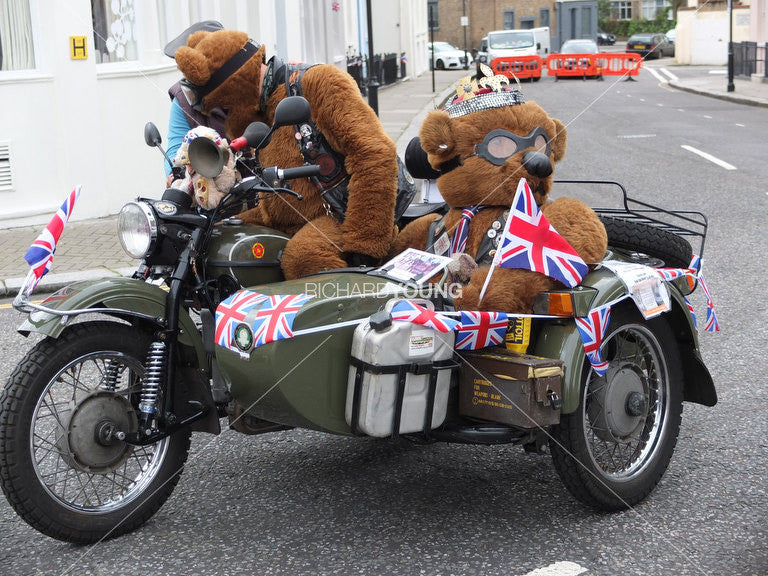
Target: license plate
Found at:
639, 46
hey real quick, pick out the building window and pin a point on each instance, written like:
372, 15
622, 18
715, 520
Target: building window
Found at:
621, 10
586, 22
527, 23
544, 17
17, 50
652, 8
114, 24
509, 19
434, 22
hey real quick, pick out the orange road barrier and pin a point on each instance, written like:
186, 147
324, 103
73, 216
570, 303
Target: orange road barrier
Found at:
520, 66
619, 64
572, 65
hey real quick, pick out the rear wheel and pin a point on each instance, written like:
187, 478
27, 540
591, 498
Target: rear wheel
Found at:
647, 244
613, 450
61, 466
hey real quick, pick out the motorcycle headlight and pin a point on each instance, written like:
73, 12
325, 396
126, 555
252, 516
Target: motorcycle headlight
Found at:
137, 229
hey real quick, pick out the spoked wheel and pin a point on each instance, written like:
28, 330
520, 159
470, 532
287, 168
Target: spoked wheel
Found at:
615, 448
62, 466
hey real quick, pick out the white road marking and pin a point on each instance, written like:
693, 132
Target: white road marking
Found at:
680, 110
707, 116
637, 136
721, 163
668, 73
559, 569
723, 72
740, 125
658, 76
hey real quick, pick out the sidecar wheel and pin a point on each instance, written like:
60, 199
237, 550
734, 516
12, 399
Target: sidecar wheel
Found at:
647, 244
61, 468
613, 450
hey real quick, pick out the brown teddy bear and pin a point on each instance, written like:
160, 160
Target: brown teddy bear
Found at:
482, 144
225, 69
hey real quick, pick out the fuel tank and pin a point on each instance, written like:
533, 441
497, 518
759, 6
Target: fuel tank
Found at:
248, 253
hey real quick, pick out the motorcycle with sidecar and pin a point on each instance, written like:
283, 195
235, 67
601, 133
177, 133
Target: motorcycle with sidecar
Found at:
96, 419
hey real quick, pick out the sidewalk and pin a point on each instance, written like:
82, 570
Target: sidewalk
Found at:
90, 249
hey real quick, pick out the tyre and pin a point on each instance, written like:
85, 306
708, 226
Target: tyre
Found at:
61, 468
613, 450
440, 65
647, 244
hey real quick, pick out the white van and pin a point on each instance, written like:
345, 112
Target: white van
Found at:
502, 43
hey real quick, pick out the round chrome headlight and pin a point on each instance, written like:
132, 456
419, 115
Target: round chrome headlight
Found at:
137, 229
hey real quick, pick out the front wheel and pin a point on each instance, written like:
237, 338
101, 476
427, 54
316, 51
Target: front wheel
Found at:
61, 466
613, 450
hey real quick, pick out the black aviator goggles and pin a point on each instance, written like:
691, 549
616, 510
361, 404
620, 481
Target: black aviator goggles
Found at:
498, 145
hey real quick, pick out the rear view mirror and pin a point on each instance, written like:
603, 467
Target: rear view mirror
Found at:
291, 110
152, 135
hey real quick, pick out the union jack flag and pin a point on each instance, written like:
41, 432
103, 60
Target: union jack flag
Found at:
670, 274
592, 329
407, 311
274, 318
40, 253
459, 242
530, 242
480, 329
231, 312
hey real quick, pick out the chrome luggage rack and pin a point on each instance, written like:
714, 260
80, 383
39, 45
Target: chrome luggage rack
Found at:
688, 223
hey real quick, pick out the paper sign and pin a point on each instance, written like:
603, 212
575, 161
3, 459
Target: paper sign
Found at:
414, 265
644, 285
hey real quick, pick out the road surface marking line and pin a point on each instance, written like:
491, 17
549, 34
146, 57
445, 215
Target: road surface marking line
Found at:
721, 163
559, 569
658, 76
668, 73
637, 136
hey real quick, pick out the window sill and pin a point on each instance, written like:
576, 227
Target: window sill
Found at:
132, 69
23, 76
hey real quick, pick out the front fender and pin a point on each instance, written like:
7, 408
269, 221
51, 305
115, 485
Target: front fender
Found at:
126, 295
561, 339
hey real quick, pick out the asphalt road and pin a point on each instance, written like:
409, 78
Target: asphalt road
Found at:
299, 502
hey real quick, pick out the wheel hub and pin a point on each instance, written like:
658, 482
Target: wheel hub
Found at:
619, 407
86, 438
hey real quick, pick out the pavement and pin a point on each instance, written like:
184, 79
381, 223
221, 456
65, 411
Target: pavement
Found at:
89, 249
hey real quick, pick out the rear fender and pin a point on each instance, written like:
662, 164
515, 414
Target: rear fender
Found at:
127, 298
561, 339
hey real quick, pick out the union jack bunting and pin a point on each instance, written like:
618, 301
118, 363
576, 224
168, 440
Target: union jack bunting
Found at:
670, 274
407, 311
40, 253
530, 242
274, 319
231, 312
480, 329
710, 322
690, 311
592, 329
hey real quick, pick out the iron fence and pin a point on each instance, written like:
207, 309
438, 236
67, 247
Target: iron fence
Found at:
384, 68
749, 59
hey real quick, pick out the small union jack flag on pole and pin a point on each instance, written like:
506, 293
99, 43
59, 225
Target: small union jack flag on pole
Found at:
407, 311
531, 242
592, 329
710, 321
231, 312
40, 253
480, 329
690, 310
274, 319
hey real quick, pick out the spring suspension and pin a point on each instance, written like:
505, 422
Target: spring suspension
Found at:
112, 371
153, 379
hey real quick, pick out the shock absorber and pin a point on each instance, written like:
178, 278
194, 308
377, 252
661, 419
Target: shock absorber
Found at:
153, 379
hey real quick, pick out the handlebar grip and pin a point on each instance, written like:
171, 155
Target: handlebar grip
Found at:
305, 171
238, 143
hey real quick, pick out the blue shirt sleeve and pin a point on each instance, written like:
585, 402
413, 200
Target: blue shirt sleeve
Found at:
178, 126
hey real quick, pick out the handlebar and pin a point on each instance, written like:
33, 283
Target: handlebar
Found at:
273, 175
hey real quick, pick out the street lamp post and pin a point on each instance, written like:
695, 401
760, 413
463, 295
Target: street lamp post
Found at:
730, 87
464, 25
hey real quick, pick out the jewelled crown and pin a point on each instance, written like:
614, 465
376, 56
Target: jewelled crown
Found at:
483, 93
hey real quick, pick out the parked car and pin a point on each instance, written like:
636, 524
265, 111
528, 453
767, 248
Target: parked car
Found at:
605, 38
650, 45
578, 46
672, 35
447, 56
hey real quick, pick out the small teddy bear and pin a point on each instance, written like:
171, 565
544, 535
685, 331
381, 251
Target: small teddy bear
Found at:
482, 144
207, 192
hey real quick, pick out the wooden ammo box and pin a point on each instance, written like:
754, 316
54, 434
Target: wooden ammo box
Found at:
510, 388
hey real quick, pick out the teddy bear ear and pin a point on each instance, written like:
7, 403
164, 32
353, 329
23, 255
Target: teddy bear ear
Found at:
196, 37
193, 64
437, 137
560, 141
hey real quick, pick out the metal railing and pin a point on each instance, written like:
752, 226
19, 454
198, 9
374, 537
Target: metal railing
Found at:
749, 58
385, 68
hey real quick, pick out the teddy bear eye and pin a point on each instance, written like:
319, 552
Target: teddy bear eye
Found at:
541, 143
501, 147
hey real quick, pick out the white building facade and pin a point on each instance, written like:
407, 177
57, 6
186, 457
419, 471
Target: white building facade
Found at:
80, 78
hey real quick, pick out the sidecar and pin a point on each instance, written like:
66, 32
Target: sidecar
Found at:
347, 368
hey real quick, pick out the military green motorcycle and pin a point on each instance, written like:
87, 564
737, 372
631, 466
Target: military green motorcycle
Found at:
96, 419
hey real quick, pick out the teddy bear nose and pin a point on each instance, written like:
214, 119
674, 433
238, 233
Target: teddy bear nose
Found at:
537, 164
